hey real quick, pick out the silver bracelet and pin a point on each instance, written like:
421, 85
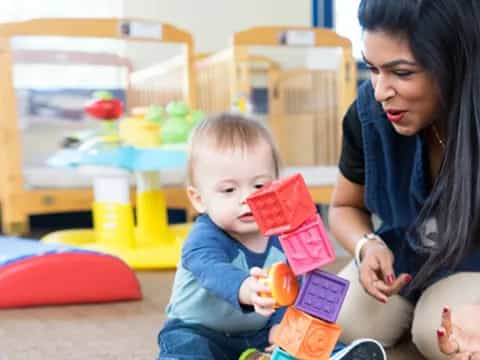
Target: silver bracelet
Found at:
363, 240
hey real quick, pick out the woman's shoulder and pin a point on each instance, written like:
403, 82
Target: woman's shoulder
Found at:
351, 121
352, 112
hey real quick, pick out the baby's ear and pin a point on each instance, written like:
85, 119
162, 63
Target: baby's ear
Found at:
196, 199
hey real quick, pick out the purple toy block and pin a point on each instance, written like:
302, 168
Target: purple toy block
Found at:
308, 247
322, 295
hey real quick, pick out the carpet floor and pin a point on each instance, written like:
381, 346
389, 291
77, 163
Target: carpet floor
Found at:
123, 331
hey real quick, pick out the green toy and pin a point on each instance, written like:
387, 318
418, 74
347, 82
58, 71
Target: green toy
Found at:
176, 128
155, 114
102, 95
254, 354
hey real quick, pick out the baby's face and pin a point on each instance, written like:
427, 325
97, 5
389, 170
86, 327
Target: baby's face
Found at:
225, 179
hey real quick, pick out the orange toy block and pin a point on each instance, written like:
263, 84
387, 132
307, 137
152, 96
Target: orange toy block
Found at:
306, 337
282, 283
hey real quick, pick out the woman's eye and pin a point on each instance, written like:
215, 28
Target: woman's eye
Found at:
372, 69
259, 186
403, 73
228, 190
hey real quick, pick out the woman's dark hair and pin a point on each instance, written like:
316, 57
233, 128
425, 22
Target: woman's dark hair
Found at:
444, 37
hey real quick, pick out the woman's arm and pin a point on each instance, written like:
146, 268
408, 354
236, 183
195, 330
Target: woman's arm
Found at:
349, 221
348, 218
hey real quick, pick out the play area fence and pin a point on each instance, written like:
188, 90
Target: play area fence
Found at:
301, 98
25, 189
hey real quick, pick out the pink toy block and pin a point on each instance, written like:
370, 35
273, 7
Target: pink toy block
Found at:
322, 295
282, 205
305, 337
308, 247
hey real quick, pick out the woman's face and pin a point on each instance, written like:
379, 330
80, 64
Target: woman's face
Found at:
406, 91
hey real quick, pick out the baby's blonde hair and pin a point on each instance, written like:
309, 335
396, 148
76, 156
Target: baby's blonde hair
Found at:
228, 131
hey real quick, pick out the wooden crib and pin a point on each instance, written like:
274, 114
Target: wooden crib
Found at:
305, 103
161, 83
19, 199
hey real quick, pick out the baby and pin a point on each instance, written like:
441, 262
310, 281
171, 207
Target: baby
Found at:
215, 310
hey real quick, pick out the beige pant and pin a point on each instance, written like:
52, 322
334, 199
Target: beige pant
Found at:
363, 316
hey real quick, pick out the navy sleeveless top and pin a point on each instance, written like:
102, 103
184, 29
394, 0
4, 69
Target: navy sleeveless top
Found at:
396, 184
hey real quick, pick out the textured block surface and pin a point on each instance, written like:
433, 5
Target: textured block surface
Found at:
282, 205
308, 247
305, 337
322, 295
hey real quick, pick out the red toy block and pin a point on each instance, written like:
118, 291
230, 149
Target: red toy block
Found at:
305, 337
308, 247
282, 205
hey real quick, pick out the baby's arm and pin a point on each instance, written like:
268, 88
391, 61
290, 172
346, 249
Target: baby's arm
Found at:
210, 264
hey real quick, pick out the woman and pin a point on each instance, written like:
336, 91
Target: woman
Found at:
460, 341
411, 157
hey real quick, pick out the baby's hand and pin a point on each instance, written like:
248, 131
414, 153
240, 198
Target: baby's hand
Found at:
250, 291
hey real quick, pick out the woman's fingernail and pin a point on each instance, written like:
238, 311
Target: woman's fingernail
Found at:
445, 309
408, 278
390, 279
440, 333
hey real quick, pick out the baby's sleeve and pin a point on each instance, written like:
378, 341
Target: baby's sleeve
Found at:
208, 259
277, 316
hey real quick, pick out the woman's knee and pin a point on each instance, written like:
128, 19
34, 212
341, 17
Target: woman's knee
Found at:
363, 316
424, 335
427, 316
426, 320
386, 323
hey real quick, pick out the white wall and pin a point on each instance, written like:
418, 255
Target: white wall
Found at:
213, 21
346, 23
210, 21
15, 10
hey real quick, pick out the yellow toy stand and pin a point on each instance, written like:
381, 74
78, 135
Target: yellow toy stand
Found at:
152, 244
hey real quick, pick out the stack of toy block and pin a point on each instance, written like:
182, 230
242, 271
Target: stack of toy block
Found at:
307, 330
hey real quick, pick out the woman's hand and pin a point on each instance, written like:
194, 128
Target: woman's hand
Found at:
376, 272
454, 341
250, 290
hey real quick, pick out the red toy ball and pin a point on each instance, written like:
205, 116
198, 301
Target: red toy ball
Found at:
105, 109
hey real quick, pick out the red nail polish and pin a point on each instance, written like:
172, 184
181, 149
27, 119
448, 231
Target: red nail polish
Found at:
390, 279
445, 309
440, 333
408, 278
